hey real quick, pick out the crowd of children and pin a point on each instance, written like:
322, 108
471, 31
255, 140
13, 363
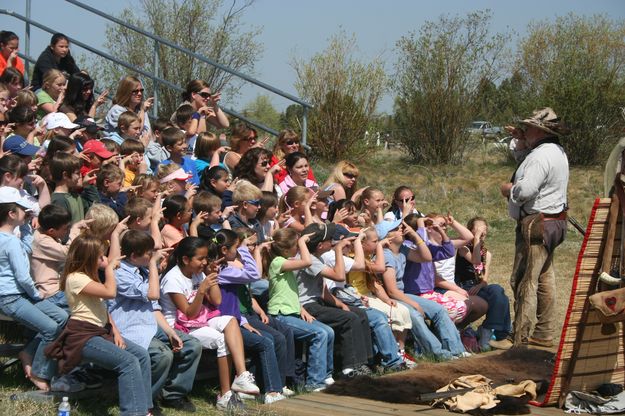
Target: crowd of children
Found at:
136, 246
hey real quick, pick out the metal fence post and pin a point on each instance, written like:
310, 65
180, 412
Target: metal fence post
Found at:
155, 84
27, 36
304, 125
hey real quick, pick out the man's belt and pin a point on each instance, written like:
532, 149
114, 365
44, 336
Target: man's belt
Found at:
559, 216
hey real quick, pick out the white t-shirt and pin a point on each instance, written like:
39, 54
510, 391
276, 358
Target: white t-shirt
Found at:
329, 259
176, 282
446, 268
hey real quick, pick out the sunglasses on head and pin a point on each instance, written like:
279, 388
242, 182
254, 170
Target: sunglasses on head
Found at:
350, 175
255, 202
291, 142
406, 200
138, 90
204, 94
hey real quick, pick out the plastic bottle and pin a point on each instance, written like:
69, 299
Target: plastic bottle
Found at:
64, 407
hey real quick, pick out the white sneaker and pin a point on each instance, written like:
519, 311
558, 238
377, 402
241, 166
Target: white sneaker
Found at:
329, 381
287, 392
272, 398
224, 400
245, 396
244, 383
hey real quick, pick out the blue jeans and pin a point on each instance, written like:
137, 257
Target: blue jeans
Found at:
43, 317
320, 340
263, 349
442, 325
173, 373
283, 341
383, 338
133, 369
60, 300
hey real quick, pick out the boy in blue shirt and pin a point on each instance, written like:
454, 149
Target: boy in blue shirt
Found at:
174, 141
174, 355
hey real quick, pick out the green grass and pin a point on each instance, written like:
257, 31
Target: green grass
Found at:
465, 190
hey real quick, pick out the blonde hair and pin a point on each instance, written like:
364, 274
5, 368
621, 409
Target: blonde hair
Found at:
104, 220
245, 191
283, 137
338, 176
25, 98
49, 77
163, 171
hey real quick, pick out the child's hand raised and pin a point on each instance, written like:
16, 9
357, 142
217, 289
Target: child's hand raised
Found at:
158, 255
90, 176
213, 266
227, 211
252, 239
121, 227
191, 191
306, 238
114, 262
340, 215
449, 219
199, 218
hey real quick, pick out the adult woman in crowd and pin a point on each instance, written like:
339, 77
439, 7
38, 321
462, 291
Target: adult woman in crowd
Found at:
287, 143
298, 169
79, 100
9, 45
129, 97
13, 79
254, 167
342, 181
55, 56
198, 95
242, 138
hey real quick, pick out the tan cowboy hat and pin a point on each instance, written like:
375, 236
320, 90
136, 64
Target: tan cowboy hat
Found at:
546, 120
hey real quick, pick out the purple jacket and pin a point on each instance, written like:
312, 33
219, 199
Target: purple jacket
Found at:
419, 277
230, 278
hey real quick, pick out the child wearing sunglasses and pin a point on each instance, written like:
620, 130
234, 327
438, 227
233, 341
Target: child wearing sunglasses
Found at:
247, 198
402, 205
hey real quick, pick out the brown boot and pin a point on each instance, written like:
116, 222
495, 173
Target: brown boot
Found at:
502, 344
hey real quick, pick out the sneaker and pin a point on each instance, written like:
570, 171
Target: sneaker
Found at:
364, 370
329, 381
88, 376
274, 397
396, 368
464, 354
504, 344
229, 401
245, 396
318, 389
245, 383
183, 404
287, 392
408, 359
66, 384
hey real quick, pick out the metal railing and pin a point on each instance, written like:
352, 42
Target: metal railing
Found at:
154, 76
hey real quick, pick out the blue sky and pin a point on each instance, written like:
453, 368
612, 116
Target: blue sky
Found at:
302, 28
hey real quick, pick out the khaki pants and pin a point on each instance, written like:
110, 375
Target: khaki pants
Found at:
533, 277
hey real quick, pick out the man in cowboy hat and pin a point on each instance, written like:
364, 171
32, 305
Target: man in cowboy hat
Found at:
537, 200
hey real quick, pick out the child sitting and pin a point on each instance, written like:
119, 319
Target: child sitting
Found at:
50, 247
109, 183
155, 151
185, 290
145, 216
19, 298
133, 309
177, 212
471, 273
128, 127
174, 179
213, 218
246, 198
133, 160
146, 186
65, 172
96, 153
175, 143
217, 181
91, 334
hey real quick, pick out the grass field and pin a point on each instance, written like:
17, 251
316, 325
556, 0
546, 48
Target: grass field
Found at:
465, 190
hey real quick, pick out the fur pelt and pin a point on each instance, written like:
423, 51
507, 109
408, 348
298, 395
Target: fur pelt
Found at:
511, 366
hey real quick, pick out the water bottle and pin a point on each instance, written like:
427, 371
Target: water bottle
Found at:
64, 407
